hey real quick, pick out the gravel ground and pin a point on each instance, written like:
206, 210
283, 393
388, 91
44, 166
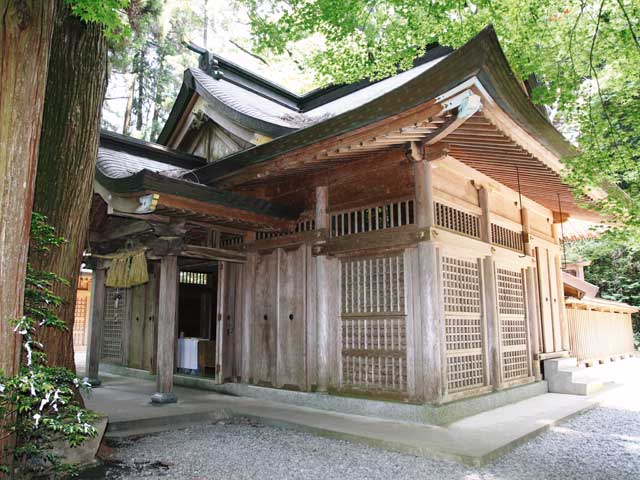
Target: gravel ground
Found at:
603, 443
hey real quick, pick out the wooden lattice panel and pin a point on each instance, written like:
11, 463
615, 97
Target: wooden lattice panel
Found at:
514, 332
301, 227
372, 218
228, 240
506, 237
80, 322
114, 317
456, 220
194, 278
464, 327
374, 327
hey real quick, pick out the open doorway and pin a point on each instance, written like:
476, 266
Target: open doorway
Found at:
197, 305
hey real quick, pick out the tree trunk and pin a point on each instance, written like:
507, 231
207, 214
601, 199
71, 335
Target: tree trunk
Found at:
126, 124
25, 38
66, 166
142, 58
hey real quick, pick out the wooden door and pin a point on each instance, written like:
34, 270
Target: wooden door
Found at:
546, 315
264, 324
291, 371
136, 339
151, 305
229, 278
374, 325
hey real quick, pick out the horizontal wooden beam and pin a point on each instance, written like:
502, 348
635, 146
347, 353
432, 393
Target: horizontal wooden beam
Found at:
210, 253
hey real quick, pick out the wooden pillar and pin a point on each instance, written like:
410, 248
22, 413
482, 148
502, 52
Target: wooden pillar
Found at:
96, 321
322, 292
248, 295
434, 368
562, 313
490, 292
167, 320
531, 291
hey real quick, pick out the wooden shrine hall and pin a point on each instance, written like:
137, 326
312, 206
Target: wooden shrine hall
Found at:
395, 239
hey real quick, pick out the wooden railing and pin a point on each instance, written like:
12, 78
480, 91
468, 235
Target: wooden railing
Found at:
599, 335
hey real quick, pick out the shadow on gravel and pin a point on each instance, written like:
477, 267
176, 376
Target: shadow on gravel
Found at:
112, 468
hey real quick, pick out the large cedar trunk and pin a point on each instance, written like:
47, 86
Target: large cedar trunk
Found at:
66, 165
25, 37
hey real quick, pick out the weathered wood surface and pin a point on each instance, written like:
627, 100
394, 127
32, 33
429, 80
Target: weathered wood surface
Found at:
25, 38
430, 292
291, 342
96, 321
210, 253
167, 323
322, 294
249, 315
263, 353
150, 320
599, 335
137, 320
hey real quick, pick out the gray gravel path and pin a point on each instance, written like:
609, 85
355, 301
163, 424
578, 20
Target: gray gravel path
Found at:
603, 443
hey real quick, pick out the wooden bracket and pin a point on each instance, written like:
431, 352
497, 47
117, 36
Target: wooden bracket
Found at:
420, 151
426, 234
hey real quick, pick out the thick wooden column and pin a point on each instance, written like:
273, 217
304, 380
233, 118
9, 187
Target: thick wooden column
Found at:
248, 295
167, 321
557, 263
322, 292
96, 321
533, 314
429, 286
490, 295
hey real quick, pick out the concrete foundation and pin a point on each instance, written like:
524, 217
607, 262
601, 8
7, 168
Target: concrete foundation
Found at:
417, 413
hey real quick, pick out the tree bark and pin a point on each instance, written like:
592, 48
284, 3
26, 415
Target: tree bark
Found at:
126, 124
66, 166
25, 39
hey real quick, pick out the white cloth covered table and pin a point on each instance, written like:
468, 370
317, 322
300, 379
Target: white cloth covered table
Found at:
188, 353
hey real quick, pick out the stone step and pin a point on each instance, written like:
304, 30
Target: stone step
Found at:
564, 376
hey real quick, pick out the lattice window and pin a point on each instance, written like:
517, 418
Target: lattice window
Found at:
456, 220
374, 332
228, 240
461, 285
373, 285
194, 278
513, 324
80, 322
510, 292
114, 317
369, 219
464, 372
506, 237
464, 328
301, 227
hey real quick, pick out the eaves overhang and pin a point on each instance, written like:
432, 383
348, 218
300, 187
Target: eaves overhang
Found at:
481, 58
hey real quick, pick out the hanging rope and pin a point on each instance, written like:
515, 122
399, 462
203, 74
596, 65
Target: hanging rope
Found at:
564, 248
127, 269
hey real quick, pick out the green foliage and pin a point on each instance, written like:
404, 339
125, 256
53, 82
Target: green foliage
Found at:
38, 404
108, 13
615, 268
146, 58
585, 55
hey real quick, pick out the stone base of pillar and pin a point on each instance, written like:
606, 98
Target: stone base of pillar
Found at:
163, 398
94, 382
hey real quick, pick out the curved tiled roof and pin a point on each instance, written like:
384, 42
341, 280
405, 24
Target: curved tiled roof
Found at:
246, 102
119, 164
